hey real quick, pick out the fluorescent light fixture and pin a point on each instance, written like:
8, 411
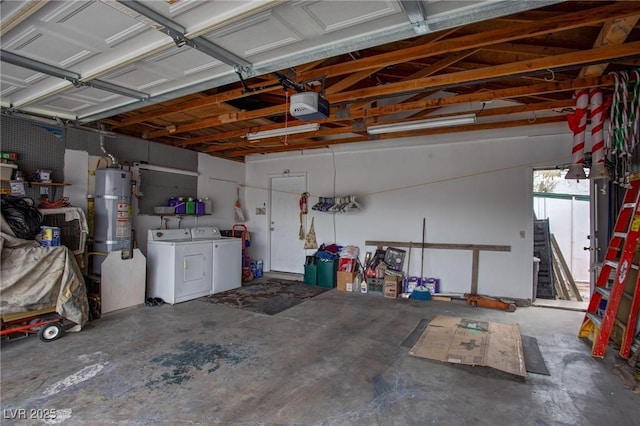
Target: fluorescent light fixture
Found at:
283, 131
431, 123
155, 168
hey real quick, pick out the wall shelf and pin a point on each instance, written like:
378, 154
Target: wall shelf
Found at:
31, 184
36, 183
179, 216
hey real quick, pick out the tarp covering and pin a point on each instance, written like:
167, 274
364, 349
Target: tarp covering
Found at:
35, 277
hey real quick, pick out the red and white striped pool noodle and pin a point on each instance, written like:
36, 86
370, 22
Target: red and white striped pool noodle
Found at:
635, 126
597, 126
578, 125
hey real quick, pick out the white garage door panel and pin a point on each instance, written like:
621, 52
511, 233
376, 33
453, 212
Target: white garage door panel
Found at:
260, 33
134, 77
93, 95
184, 61
82, 97
351, 13
108, 41
37, 45
66, 103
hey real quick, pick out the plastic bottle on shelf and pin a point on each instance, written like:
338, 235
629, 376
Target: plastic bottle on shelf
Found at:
207, 205
191, 206
199, 207
181, 208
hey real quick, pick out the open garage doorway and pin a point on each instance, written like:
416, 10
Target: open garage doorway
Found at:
563, 238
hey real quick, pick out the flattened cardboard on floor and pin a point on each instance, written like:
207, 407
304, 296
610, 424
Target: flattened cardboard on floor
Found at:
465, 341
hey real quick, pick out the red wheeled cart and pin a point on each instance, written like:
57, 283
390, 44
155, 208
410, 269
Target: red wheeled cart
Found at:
46, 323
241, 229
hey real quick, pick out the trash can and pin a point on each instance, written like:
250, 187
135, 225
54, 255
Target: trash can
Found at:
536, 269
327, 273
311, 274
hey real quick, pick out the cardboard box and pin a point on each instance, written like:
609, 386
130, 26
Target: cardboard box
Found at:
392, 286
345, 277
7, 170
472, 342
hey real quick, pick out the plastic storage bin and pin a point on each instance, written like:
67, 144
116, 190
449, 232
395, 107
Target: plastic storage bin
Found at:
311, 274
327, 273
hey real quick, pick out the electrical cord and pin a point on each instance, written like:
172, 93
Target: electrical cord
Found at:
46, 204
333, 155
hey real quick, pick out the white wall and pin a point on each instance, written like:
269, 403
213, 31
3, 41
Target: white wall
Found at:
471, 188
219, 180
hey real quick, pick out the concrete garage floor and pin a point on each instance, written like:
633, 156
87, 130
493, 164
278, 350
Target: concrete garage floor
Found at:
334, 359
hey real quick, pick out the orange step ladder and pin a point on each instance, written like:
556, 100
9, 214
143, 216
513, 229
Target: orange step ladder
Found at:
618, 262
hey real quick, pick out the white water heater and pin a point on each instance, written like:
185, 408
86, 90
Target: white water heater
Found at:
112, 214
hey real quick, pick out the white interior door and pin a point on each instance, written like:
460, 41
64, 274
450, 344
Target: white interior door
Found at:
287, 250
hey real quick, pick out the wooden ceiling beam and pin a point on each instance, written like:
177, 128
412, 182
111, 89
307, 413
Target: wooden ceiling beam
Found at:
350, 81
309, 66
501, 35
494, 72
515, 109
527, 16
277, 139
425, 132
432, 37
341, 115
466, 66
296, 146
441, 64
425, 72
527, 49
487, 95
613, 32
220, 120
200, 103
359, 76
475, 127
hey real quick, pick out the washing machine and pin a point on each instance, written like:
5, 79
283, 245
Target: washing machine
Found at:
178, 269
226, 259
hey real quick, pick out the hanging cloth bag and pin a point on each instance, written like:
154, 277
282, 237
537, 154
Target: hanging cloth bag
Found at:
310, 241
238, 214
303, 212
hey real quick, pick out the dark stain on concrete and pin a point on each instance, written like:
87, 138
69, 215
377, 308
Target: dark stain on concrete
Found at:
208, 323
195, 356
380, 386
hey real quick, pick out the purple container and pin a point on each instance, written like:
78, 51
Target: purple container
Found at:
181, 207
199, 207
